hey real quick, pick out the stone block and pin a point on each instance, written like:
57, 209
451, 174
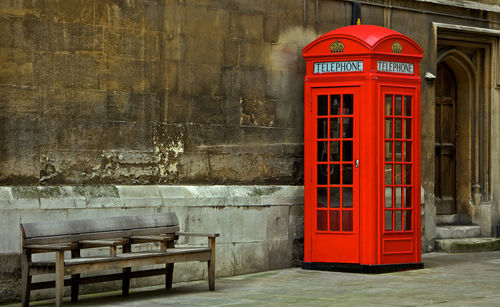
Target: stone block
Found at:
153, 15
209, 196
198, 136
296, 222
205, 22
19, 102
24, 197
271, 29
80, 37
207, 220
139, 196
277, 223
457, 231
199, 79
280, 254
248, 27
250, 257
5, 198
249, 83
252, 54
128, 14
204, 109
187, 271
60, 197
55, 36
128, 136
245, 195
87, 71
281, 195
36, 33
10, 230
16, 67
100, 196
173, 47
129, 75
170, 71
43, 69
101, 12
113, 42
195, 167
249, 224
230, 52
224, 259
133, 44
203, 50
172, 196
175, 107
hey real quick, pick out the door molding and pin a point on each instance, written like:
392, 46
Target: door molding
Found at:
471, 53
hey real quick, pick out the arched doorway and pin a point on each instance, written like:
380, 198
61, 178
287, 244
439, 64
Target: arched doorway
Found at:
445, 191
455, 129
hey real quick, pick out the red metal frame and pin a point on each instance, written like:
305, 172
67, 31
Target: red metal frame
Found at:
369, 243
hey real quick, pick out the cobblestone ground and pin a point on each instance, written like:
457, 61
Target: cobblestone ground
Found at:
469, 279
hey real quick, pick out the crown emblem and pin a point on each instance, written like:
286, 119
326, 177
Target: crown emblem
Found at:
397, 47
337, 47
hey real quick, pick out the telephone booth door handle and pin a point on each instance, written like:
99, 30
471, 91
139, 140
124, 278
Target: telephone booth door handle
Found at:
357, 163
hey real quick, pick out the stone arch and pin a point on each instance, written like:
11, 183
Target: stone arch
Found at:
464, 72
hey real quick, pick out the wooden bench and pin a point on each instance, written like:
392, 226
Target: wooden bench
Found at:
73, 236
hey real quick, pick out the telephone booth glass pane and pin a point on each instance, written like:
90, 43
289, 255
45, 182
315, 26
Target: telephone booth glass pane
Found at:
334, 197
322, 220
398, 148
335, 162
334, 104
322, 197
335, 128
347, 197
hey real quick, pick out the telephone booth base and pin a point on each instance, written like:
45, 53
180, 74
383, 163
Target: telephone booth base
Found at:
361, 268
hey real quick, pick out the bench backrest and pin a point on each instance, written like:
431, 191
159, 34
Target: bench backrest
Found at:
94, 229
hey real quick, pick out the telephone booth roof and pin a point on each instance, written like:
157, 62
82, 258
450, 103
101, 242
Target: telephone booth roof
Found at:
362, 39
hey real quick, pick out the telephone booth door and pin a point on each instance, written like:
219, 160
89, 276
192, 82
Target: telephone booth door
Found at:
400, 147
336, 186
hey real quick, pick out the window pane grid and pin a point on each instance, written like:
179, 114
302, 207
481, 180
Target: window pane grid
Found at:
335, 141
398, 163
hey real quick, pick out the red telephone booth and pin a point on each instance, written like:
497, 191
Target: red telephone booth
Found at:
362, 151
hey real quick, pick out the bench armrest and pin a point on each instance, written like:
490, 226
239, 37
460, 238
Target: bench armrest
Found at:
198, 234
41, 248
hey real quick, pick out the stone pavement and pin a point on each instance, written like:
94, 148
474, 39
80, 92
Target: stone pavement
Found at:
467, 279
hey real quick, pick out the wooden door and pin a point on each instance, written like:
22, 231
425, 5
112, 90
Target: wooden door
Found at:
445, 141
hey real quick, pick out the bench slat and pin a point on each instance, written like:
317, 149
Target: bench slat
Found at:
101, 235
72, 227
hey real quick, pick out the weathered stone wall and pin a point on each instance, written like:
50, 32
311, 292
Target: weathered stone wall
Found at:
261, 227
144, 92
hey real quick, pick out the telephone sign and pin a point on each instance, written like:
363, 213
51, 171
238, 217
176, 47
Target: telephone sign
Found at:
362, 151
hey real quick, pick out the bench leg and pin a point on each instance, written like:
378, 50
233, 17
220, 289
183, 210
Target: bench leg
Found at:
169, 276
75, 278
26, 280
126, 272
59, 278
211, 265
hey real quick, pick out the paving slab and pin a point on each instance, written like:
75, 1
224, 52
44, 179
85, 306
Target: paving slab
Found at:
466, 279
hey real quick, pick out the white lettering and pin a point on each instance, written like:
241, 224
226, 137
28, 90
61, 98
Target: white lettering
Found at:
344, 66
396, 67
